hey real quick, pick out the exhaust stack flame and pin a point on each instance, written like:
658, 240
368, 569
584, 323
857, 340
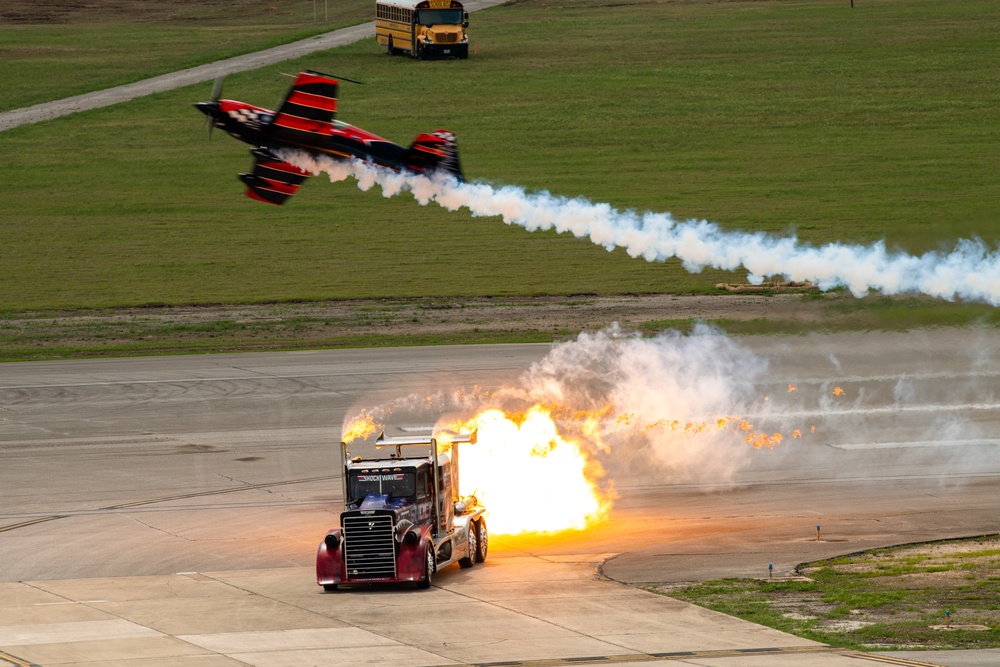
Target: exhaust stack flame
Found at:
970, 271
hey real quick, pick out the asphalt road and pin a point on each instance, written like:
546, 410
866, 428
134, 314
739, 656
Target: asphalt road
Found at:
139, 445
244, 446
228, 463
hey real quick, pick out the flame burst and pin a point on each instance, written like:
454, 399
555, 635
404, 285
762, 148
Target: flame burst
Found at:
361, 428
758, 440
532, 477
529, 476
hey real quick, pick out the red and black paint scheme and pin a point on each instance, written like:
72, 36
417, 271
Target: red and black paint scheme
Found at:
403, 518
305, 121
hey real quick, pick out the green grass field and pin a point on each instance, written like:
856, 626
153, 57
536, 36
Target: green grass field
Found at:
62, 48
878, 122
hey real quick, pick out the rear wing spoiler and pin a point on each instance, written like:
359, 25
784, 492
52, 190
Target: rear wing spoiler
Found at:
426, 441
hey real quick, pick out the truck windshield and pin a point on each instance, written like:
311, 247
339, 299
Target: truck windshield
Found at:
396, 484
439, 16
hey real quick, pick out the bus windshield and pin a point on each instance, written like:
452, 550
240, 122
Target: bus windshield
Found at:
439, 16
397, 484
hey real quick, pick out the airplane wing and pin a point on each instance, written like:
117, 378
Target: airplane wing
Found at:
273, 180
306, 114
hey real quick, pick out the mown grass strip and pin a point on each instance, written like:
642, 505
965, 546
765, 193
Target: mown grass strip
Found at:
59, 49
937, 595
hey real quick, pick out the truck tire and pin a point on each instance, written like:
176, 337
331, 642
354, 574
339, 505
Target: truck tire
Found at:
329, 588
473, 556
428, 569
482, 541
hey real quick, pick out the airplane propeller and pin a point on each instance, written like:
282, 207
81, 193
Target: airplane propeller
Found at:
217, 87
216, 94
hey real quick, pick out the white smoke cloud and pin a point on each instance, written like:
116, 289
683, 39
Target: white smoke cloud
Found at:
676, 402
970, 271
639, 406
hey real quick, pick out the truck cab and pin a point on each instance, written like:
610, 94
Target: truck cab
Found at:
403, 519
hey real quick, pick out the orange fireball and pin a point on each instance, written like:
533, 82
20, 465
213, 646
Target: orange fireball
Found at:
528, 476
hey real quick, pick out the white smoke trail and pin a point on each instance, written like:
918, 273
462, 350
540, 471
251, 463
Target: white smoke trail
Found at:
970, 271
671, 403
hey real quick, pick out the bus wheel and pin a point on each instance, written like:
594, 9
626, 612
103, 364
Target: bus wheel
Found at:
421, 54
391, 50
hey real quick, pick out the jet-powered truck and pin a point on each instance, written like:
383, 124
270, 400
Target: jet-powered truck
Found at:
305, 122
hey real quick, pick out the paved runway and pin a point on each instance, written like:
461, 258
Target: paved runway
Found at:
162, 508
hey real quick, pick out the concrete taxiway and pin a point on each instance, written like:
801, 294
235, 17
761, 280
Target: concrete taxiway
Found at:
514, 610
163, 509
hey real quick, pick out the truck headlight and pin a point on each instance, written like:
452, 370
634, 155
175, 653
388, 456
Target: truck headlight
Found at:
332, 542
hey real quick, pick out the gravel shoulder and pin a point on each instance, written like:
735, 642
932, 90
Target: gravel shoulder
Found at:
375, 323
454, 315
457, 315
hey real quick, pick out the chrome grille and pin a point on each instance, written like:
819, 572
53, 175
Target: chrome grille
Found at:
368, 547
448, 37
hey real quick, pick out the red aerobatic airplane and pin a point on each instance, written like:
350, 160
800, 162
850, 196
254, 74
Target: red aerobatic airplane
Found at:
305, 122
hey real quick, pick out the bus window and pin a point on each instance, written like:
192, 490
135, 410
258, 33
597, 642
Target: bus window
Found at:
439, 16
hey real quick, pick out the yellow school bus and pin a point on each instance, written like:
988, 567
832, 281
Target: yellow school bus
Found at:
422, 28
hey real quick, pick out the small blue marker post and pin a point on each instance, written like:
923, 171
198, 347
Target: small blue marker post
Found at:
817, 532
947, 617
770, 570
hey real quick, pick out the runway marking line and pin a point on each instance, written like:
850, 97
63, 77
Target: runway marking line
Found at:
185, 496
687, 655
10, 659
234, 489
892, 660
32, 522
648, 657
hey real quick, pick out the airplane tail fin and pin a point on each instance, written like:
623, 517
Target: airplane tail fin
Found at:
434, 152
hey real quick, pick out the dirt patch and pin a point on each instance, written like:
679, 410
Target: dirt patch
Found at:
429, 315
360, 323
